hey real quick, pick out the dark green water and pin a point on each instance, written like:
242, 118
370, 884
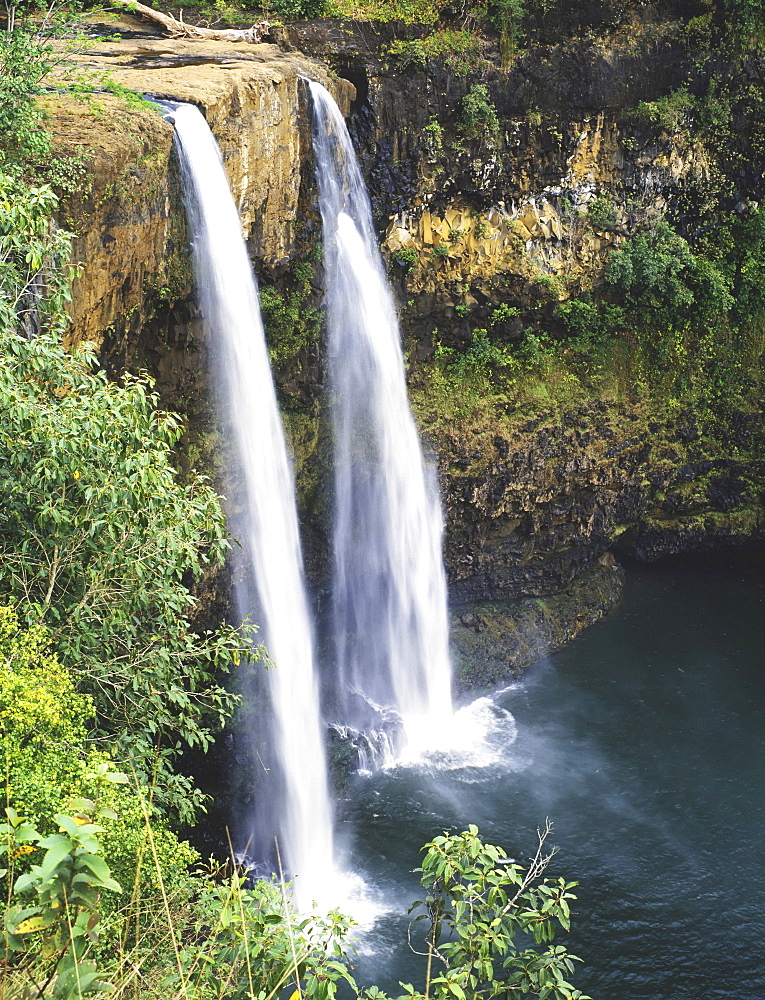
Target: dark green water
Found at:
643, 742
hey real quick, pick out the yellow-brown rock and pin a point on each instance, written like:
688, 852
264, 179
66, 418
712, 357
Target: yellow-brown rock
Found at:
255, 102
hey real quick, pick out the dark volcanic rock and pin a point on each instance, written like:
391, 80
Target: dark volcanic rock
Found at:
493, 642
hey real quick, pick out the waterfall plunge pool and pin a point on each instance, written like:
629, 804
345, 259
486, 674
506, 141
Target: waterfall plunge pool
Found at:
643, 742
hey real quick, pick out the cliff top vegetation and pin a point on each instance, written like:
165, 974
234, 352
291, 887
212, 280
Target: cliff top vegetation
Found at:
514, 23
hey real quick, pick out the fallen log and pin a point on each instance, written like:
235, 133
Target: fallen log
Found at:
179, 29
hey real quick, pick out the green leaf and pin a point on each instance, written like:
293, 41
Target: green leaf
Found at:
59, 849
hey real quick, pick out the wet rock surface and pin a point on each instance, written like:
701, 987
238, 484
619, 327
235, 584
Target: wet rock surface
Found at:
530, 510
494, 642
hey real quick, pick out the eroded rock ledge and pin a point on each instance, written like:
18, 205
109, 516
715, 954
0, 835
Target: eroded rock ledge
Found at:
131, 232
493, 642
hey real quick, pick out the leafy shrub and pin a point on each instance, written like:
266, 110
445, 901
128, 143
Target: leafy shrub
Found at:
24, 62
97, 539
248, 942
34, 259
48, 762
602, 213
481, 911
744, 17
478, 117
662, 281
433, 136
674, 113
507, 16
52, 918
295, 9
408, 53
478, 361
737, 248
479, 904
291, 320
503, 313
407, 257
44, 723
408, 11
589, 322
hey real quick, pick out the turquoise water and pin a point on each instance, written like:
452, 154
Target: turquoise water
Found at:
643, 742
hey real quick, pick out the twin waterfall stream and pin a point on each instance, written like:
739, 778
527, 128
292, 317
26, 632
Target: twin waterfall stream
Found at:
642, 740
389, 590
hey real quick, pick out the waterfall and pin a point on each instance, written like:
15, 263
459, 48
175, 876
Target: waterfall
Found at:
390, 611
269, 573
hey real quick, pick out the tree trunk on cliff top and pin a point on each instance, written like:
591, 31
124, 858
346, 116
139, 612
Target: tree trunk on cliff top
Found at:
179, 29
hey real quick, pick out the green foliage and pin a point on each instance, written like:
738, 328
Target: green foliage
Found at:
408, 54
744, 17
664, 283
478, 361
503, 313
291, 320
694, 317
48, 762
549, 285
97, 539
53, 921
407, 257
34, 254
478, 119
25, 60
433, 136
587, 322
481, 909
507, 17
459, 51
295, 9
408, 11
248, 942
673, 113
44, 722
602, 213
737, 248
88, 82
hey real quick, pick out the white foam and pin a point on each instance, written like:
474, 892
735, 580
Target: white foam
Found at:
475, 736
346, 892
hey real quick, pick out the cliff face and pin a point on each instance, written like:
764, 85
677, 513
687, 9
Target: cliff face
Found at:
547, 500
129, 217
536, 490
